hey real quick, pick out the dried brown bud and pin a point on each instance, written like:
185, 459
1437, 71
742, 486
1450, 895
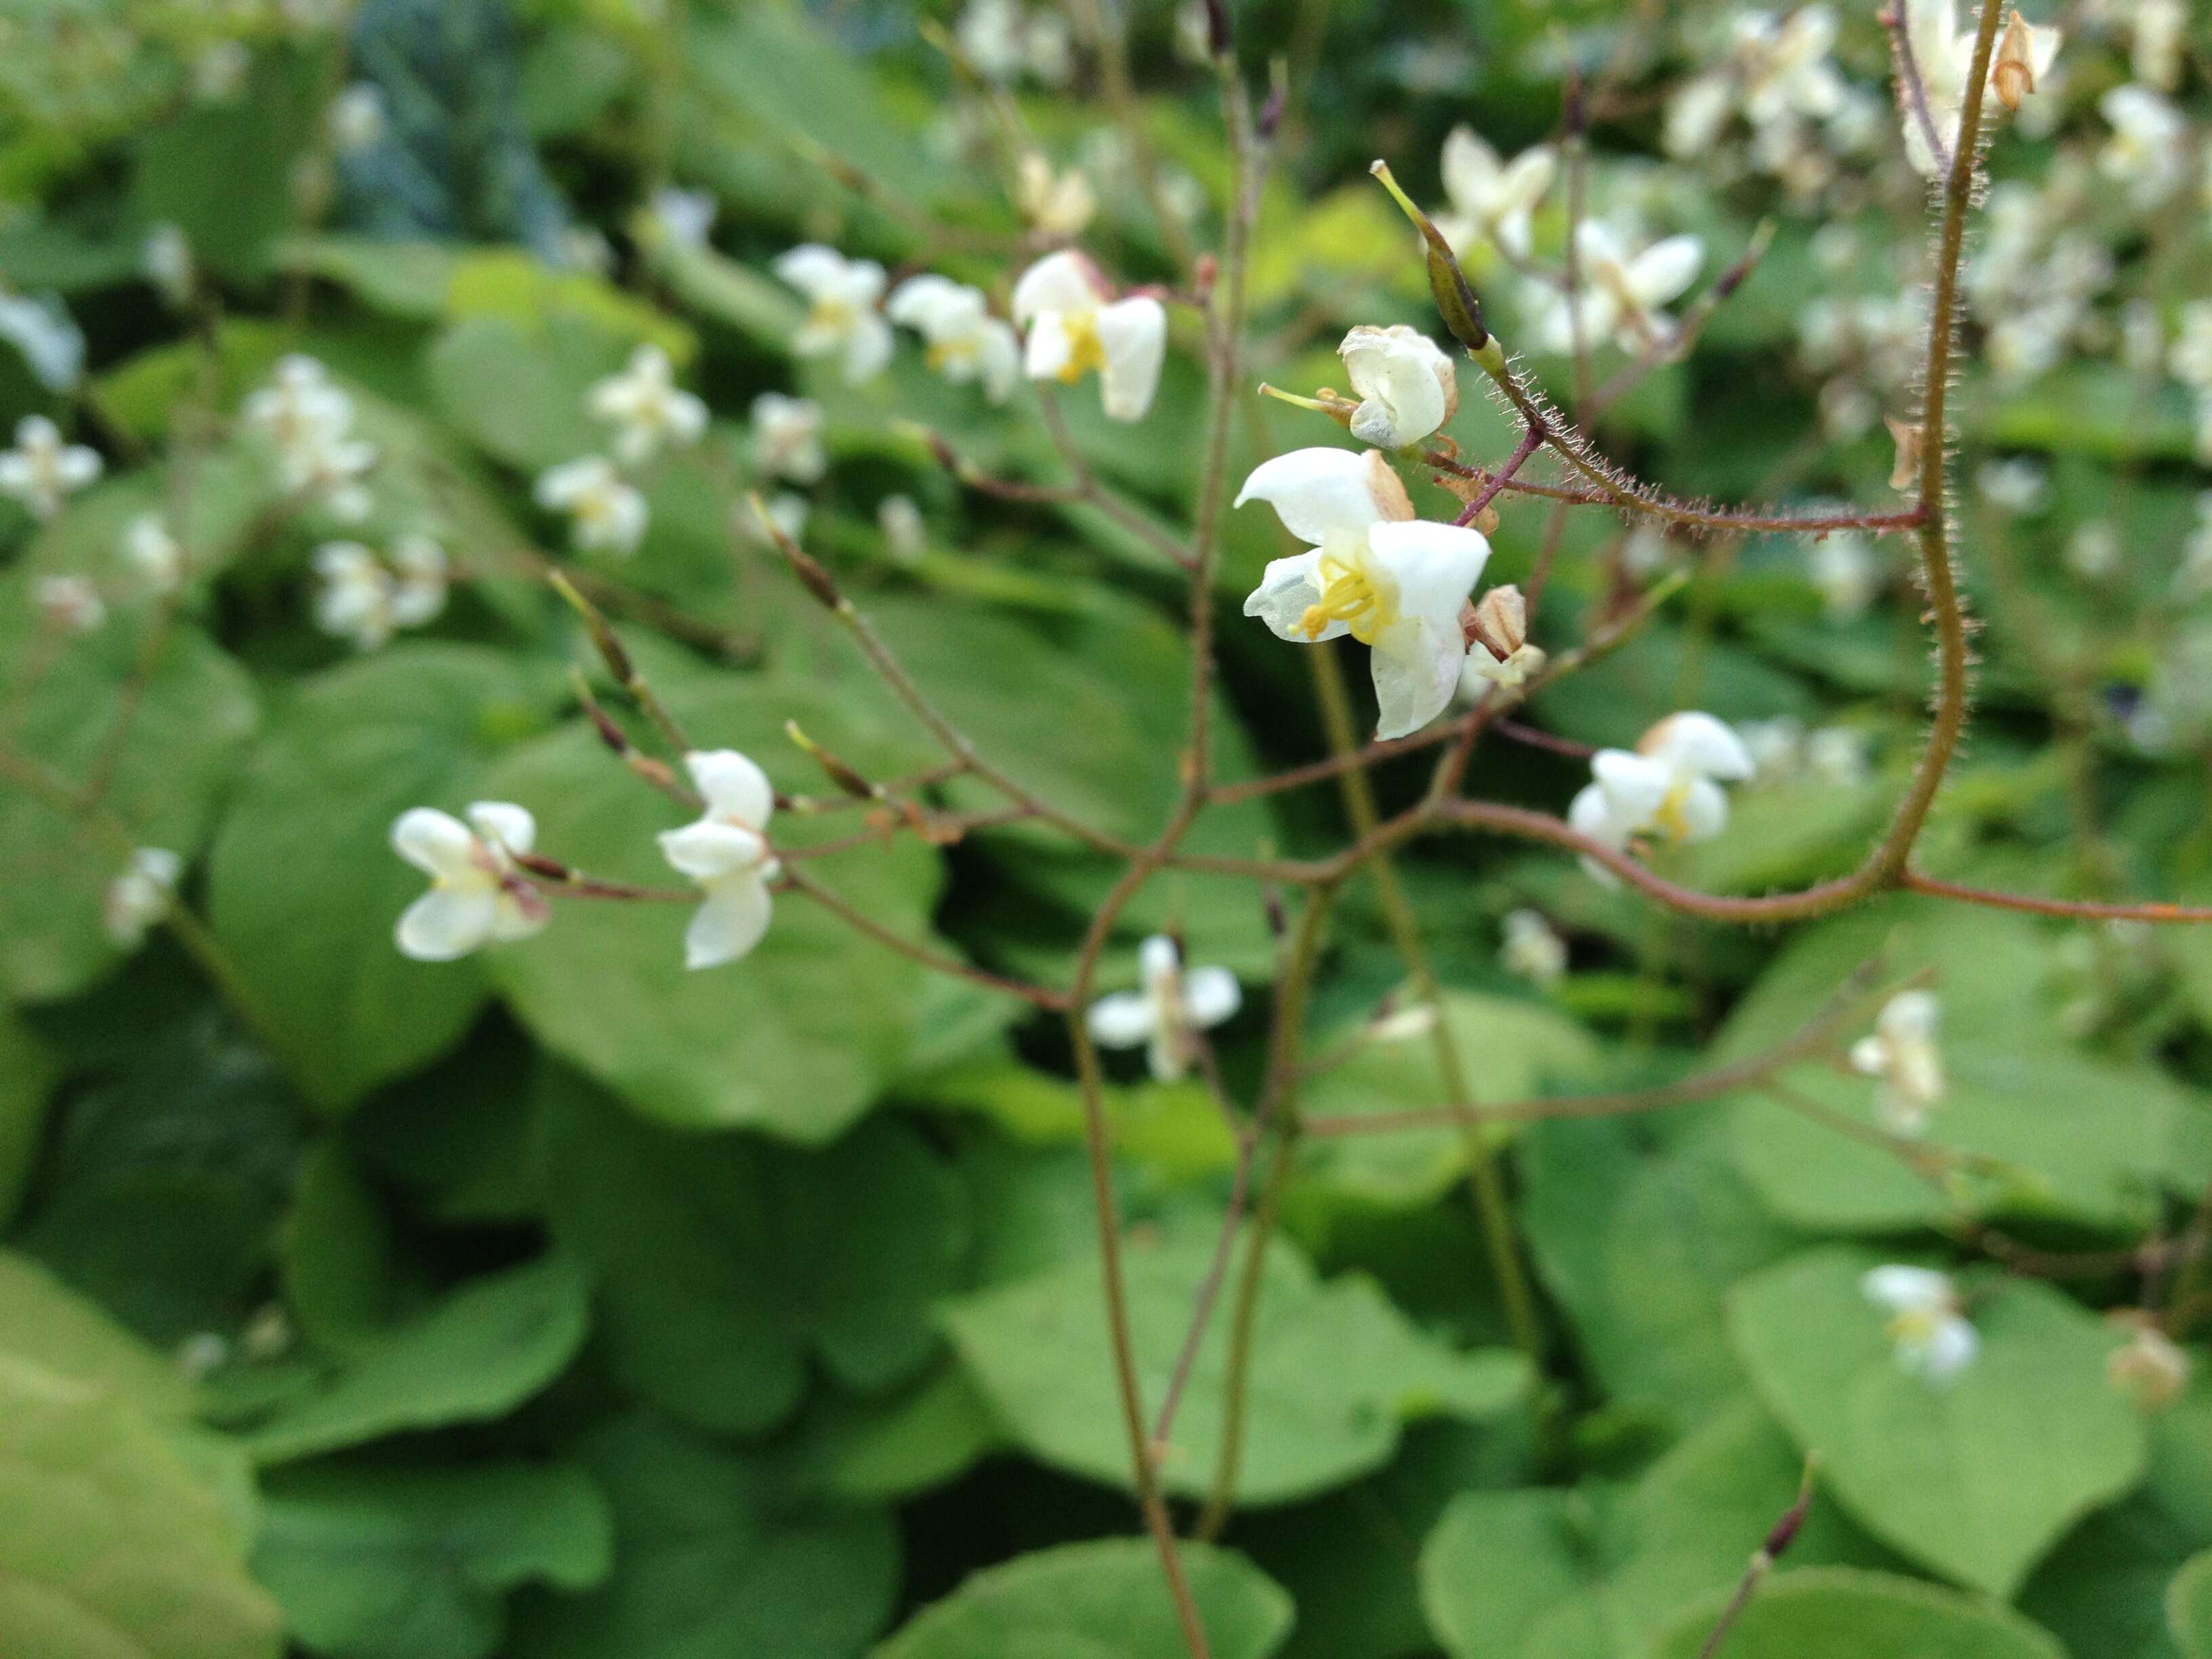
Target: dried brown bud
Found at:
1496, 633
1387, 488
846, 777
1911, 436
2013, 74
603, 636
811, 576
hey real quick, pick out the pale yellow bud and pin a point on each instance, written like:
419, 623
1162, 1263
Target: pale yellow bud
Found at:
1911, 437
2013, 74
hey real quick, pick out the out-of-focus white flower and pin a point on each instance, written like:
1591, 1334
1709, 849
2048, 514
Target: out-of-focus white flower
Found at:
353, 598
1943, 53
219, 71
166, 257
1170, 1006
841, 318
906, 537
1927, 1328
420, 577
1902, 1052
42, 469
1776, 746
787, 511
727, 852
2093, 551
961, 340
1837, 756
140, 896
603, 510
1407, 387
43, 330
1844, 567
787, 437
1048, 48
1668, 786
1057, 204
200, 1355
1787, 74
2016, 487
2157, 42
1489, 196
307, 421
684, 217
1532, 951
2151, 1368
155, 555
70, 604
990, 36
358, 118
1394, 583
476, 895
1696, 113
648, 408
2148, 154
1646, 549
1075, 326
2143, 337
1622, 295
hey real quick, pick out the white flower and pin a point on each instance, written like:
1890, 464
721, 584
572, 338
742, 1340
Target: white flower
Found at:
475, 897
2147, 153
1057, 204
1621, 293
2156, 51
1048, 49
1407, 387
603, 510
71, 604
1394, 583
1075, 326
2016, 487
1844, 567
1943, 53
1532, 951
219, 71
307, 420
841, 319
906, 536
963, 341
2093, 551
354, 598
648, 408
787, 437
1669, 786
787, 512
140, 896
1932, 1337
727, 855
1491, 197
1776, 746
153, 553
1786, 67
421, 576
990, 36
684, 217
358, 118
1170, 1006
1837, 755
1902, 1052
1696, 113
165, 258
43, 330
41, 470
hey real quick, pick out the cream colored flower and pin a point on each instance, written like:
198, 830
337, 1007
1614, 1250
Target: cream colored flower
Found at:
1074, 326
962, 341
646, 408
1489, 196
1171, 1007
727, 855
841, 318
1532, 951
1622, 295
140, 896
1931, 1335
42, 471
1903, 1054
476, 897
1668, 787
603, 510
1408, 386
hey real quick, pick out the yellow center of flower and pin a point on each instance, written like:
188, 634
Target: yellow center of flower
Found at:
1085, 351
831, 315
1915, 1327
1673, 816
1347, 596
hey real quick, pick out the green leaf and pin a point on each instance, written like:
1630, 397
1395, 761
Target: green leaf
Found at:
1102, 1600
1334, 1371
196, 709
304, 887
519, 393
1835, 1613
483, 1349
724, 1262
44, 1322
338, 1257
1975, 1480
376, 1563
2189, 1606
710, 1559
27, 1076
1498, 1562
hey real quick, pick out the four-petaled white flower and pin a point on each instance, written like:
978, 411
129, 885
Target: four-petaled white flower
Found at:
1170, 1006
43, 330
1532, 951
1669, 786
308, 421
603, 510
42, 469
1931, 1335
646, 408
1056, 204
962, 340
1075, 326
1943, 54
364, 599
1489, 196
155, 555
140, 896
684, 217
476, 897
1408, 386
727, 855
1394, 583
1621, 295
841, 319
1903, 1055
71, 604
787, 437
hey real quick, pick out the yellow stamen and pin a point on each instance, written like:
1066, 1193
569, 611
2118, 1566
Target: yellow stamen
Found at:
1347, 596
1673, 815
1085, 351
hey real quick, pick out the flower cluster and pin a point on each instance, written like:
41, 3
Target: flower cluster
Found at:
44, 470
308, 421
364, 599
1668, 787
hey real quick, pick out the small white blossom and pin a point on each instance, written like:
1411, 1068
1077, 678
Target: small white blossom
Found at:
140, 896
1056, 204
155, 555
308, 421
1837, 756
1927, 1328
2158, 44
787, 437
354, 598
358, 118
1844, 567
1491, 197
2093, 551
476, 897
1532, 951
684, 217
603, 510
2147, 153
165, 258
1394, 583
2016, 487
43, 330
1668, 786
727, 852
1943, 53
906, 537
1407, 387
962, 341
1075, 326
1902, 1052
71, 604
841, 318
786, 510
990, 36
646, 408
1621, 295
42, 469
219, 71
421, 575
1170, 1006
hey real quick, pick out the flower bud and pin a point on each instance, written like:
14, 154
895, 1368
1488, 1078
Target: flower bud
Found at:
1497, 632
2013, 74
1911, 437
2151, 1369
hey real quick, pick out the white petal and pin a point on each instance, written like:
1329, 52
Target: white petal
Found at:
1288, 589
1909, 1017
1120, 1021
709, 851
1951, 1347
812, 269
1133, 336
1470, 170
446, 922
867, 348
1903, 1289
1415, 663
1394, 373
435, 842
1157, 960
1210, 995
1635, 786
1435, 565
518, 913
1705, 811
729, 923
1050, 347
1529, 178
1590, 813
1319, 493
1663, 271
920, 302
504, 824
999, 360
1697, 743
1062, 281
736, 789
